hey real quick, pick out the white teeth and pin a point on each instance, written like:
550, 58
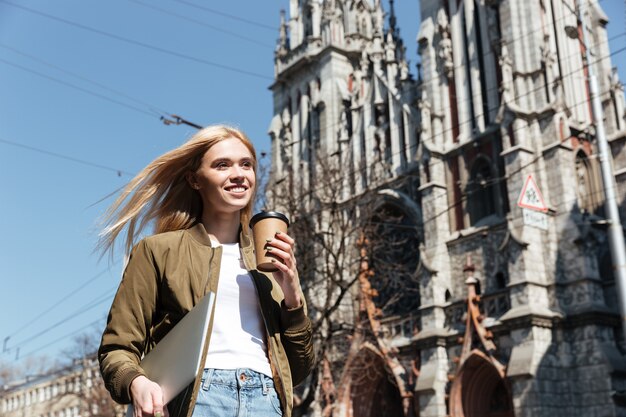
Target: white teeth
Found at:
237, 189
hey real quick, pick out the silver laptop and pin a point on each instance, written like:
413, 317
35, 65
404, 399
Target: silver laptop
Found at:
175, 361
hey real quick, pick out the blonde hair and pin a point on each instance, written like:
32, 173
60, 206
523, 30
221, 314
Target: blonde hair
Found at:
161, 192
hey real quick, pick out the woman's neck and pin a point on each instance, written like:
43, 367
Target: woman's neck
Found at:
223, 227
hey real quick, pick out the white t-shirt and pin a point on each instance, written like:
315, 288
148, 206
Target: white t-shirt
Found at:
238, 337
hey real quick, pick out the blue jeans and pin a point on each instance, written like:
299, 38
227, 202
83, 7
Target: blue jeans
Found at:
236, 393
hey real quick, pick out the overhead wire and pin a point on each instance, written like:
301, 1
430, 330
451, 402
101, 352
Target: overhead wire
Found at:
118, 171
105, 296
84, 90
227, 15
152, 108
201, 23
58, 303
63, 337
139, 43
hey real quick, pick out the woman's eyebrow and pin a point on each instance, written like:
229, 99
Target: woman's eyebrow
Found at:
222, 159
228, 159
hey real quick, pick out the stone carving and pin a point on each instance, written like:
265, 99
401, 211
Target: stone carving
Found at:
445, 44
286, 138
549, 59
424, 105
380, 134
506, 66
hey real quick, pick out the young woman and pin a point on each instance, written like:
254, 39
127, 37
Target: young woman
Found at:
199, 197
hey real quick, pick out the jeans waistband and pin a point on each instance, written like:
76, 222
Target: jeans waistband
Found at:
236, 378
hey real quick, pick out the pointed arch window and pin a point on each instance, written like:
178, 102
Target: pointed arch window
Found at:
394, 256
481, 195
308, 22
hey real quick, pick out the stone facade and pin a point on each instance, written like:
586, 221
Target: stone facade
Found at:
502, 96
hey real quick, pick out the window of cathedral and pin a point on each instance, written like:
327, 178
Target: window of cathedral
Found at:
605, 265
500, 280
308, 22
394, 256
481, 191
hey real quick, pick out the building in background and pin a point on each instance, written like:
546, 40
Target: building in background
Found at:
74, 391
487, 168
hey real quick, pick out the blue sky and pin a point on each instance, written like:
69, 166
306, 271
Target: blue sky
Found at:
82, 85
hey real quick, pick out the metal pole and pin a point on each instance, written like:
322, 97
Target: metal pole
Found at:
615, 231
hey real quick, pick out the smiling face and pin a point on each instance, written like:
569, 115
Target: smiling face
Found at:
225, 178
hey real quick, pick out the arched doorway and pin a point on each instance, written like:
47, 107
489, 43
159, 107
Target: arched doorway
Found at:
373, 391
479, 390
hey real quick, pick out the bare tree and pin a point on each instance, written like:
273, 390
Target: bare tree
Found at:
345, 247
26, 369
88, 390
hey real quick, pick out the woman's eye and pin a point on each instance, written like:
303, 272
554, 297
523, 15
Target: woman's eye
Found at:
221, 165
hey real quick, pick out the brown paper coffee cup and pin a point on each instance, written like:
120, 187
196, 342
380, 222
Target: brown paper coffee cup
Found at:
264, 226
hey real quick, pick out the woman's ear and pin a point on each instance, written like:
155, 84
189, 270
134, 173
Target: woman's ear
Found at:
192, 180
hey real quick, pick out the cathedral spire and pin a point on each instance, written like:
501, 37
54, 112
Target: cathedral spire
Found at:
392, 18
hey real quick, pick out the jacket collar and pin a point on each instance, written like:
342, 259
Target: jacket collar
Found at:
200, 235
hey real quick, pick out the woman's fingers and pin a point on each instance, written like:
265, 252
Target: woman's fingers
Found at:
157, 402
147, 398
282, 246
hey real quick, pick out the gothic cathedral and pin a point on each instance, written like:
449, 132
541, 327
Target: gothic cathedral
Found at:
481, 283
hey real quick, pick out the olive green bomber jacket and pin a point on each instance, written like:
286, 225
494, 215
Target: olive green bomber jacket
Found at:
167, 274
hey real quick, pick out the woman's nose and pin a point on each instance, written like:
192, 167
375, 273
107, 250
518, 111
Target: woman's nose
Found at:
236, 172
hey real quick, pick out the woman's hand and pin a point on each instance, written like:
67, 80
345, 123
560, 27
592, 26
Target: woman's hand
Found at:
282, 246
147, 398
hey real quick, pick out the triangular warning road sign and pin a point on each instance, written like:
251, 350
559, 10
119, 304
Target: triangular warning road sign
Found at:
531, 197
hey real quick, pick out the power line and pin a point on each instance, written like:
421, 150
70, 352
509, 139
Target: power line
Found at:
165, 117
82, 310
201, 23
151, 107
56, 304
227, 15
139, 43
119, 172
62, 338
65, 83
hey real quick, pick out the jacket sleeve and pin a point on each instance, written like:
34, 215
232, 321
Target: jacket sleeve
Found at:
128, 324
297, 339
